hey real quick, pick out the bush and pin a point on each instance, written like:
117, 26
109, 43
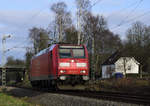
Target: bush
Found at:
125, 85
142, 83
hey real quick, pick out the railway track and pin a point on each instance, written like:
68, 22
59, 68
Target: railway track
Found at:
110, 96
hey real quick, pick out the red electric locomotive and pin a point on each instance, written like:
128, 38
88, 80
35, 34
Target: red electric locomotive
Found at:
60, 63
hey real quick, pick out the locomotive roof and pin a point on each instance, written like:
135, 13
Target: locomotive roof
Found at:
52, 47
45, 50
70, 46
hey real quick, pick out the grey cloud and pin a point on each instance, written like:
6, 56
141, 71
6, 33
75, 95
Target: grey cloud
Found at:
24, 18
18, 24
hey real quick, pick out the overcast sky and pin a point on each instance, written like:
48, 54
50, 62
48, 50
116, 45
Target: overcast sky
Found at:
18, 16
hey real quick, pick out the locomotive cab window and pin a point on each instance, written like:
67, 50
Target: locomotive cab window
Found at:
71, 52
65, 53
78, 53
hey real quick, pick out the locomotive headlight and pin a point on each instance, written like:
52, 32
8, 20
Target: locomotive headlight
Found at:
62, 71
62, 77
85, 78
64, 64
81, 64
82, 71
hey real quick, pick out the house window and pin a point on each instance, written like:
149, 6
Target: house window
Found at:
109, 71
129, 67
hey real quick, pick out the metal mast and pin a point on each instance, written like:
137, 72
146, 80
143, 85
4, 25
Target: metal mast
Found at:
3, 60
93, 58
60, 28
79, 24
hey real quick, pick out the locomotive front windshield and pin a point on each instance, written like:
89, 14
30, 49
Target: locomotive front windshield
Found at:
71, 52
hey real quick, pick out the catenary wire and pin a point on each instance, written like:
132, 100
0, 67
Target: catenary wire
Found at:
131, 20
25, 23
132, 11
122, 10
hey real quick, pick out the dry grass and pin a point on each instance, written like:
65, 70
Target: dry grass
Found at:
125, 85
6, 100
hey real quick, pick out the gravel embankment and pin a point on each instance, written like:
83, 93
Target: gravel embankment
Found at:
50, 99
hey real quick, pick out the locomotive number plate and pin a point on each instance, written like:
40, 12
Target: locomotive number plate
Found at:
72, 71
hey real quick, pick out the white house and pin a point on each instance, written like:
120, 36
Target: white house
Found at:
127, 65
115, 64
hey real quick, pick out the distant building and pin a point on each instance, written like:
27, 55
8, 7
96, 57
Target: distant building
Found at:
118, 64
127, 65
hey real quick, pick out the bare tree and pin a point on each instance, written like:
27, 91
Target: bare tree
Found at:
137, 44
124, 65
71, 35
83, 8
98, 35
62, 20
137, 34
39, 38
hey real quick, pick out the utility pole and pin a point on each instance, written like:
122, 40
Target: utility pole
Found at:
60, 28
93, 58
79, 24
141, 72
3, 60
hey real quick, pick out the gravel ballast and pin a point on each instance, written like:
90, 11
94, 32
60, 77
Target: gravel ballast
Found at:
51, 99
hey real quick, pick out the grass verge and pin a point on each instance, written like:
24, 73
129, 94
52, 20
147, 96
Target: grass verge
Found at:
6, 100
